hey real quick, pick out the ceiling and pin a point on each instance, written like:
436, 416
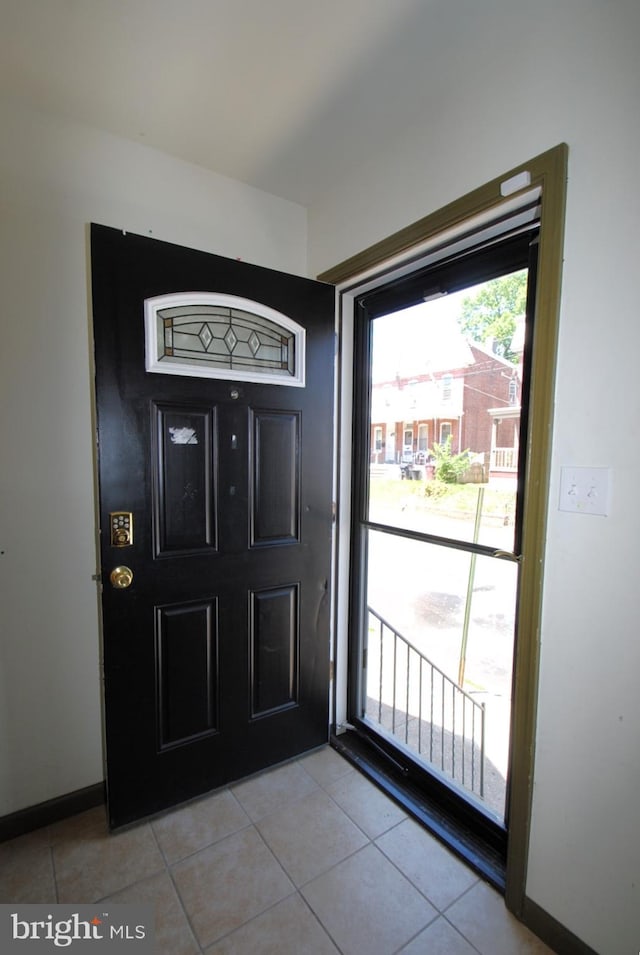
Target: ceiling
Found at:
285, 95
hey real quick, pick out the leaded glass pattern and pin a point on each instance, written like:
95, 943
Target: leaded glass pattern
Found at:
222, 336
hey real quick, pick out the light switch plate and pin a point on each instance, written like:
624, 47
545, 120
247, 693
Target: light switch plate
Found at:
585, 490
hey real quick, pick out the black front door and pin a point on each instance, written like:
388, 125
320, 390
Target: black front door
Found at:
215, 519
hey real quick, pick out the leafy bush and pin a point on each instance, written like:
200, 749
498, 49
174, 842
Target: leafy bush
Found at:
449, 466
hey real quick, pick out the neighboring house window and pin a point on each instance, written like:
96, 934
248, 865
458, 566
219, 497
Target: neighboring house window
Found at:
423, 437
445, 431
513, 392
447, 381
377, 440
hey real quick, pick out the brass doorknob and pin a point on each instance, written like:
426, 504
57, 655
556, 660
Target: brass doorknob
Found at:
121, 577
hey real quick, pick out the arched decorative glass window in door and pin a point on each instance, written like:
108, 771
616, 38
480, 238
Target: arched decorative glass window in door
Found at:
210, 335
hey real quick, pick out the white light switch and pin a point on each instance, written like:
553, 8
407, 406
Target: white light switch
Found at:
585, 490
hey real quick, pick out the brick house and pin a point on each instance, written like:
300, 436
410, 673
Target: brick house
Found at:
476, 401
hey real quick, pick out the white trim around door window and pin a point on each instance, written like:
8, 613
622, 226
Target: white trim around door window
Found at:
211, 335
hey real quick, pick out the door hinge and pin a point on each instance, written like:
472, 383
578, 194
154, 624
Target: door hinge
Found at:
334, 511
331, 671
364, 658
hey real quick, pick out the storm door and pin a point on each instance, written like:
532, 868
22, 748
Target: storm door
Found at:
442, 365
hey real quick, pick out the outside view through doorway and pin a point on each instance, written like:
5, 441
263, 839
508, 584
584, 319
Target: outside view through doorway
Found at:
445, 423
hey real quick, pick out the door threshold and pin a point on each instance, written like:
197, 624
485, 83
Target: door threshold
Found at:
466, 844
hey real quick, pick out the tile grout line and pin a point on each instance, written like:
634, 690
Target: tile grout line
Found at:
251, 825
298, 888
320, 923
462, 935
453, 925
411, 882
469, 888
323, 788
208, 845
349, 856
277, 860
321, 875
332, 782
318, 787
168, 870
370, 842
351, 771
274, 812
349, 816
341, 808
273, 904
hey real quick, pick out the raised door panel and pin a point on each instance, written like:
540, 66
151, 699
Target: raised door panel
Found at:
187, 672
274, 642
274, 476
184, 465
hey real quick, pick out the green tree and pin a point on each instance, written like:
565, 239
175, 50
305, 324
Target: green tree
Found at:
492, 311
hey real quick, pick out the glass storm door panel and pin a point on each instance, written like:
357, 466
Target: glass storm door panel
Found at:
463, 398
439, 642
216, 634
437, 529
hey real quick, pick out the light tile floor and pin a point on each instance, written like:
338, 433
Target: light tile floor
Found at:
306, 859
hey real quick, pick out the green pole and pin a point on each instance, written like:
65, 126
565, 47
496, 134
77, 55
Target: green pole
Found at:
467, 606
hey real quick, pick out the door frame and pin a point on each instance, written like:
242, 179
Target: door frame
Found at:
400, 254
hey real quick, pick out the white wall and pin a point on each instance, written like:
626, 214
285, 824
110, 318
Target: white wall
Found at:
511, 87
517, 85
54, 179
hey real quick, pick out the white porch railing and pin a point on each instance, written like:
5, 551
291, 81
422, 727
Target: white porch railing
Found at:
504, 459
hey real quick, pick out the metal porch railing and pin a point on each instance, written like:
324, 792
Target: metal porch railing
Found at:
414, 700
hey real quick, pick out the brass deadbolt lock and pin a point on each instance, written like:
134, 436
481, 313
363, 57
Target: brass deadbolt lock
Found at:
121, 577
121, 524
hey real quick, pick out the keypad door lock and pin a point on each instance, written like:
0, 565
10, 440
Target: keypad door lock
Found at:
121, 524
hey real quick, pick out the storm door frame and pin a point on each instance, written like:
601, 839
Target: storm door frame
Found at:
543, 177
